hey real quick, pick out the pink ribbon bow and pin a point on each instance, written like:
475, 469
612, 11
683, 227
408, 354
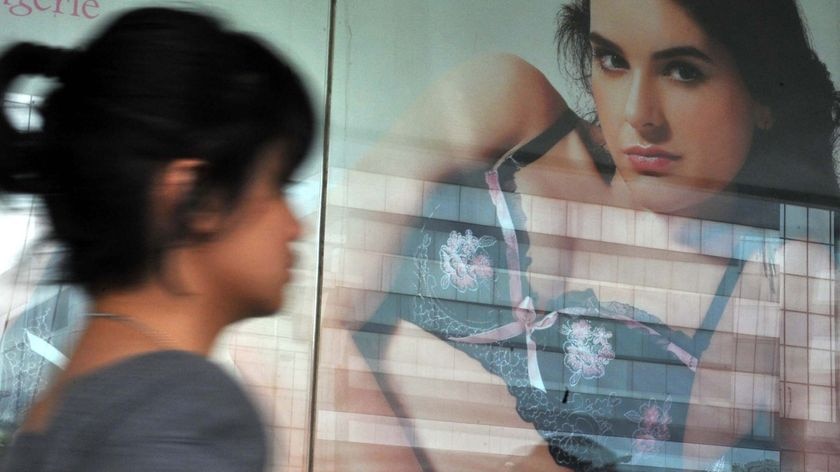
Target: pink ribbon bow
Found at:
525, 322
525, 318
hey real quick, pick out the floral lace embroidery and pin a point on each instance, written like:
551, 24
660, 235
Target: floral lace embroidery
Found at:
574, 426
588, 350
464, 261
652, 420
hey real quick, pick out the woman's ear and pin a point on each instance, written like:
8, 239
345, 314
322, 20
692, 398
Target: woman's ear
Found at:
172, 198
178, 178
763, 117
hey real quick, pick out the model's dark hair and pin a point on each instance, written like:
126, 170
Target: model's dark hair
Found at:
155, 86
793, 160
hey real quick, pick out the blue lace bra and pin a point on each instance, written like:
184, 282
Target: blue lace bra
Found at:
605, 384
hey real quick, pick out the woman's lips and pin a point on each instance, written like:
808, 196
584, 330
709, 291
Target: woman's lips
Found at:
650, 160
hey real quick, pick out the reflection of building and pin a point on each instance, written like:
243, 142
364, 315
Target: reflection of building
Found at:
808, 378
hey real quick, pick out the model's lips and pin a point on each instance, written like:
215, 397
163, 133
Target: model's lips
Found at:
650, 160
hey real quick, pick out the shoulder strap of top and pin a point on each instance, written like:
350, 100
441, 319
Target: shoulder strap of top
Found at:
540, 145
535, 148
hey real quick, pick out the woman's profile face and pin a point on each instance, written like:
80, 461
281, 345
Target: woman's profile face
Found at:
675, 112
251, 259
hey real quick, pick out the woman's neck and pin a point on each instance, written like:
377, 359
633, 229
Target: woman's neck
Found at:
187, 322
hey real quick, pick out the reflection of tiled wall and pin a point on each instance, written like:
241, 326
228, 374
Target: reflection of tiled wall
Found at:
809, 341
621, 254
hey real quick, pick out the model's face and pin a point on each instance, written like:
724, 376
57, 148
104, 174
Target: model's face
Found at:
251, 258
676, 114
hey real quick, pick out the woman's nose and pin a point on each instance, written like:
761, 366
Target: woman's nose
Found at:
642, 108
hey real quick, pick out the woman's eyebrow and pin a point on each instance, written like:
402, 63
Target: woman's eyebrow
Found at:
598, 40
682, 51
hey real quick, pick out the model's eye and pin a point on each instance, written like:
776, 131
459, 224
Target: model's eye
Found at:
683, 72
608, 60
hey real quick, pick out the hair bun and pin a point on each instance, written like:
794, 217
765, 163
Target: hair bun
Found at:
19, 170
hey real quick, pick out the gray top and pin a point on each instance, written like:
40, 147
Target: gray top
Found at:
163, 411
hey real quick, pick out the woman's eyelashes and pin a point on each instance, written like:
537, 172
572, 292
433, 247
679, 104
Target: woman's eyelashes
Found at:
681, 71
608, 60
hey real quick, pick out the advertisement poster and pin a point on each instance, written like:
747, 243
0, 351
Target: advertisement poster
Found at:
563, 236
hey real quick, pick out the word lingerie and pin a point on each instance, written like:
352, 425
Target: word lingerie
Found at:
88, 9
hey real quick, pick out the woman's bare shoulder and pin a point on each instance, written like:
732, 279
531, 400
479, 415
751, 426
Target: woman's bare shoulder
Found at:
500, 99
508, 84
476, 112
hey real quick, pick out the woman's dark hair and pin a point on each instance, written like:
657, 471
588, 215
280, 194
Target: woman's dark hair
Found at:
793, 160
155, 86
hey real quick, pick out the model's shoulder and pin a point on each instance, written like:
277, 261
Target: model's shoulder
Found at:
475, 113
509, 84
497, 102
499, 68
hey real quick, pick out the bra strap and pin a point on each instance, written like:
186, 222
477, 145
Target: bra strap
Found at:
537, 147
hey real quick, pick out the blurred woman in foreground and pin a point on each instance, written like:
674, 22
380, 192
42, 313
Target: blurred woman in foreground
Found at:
162, 163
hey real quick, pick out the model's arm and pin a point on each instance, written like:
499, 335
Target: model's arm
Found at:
464, 122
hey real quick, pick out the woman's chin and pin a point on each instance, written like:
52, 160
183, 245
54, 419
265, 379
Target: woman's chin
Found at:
272, 307
263, 306
661, 196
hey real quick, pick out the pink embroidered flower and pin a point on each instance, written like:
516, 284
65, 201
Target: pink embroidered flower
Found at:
601, 337
651, 416
483, 268
652, 420
588, 350
464, 262
580, 329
